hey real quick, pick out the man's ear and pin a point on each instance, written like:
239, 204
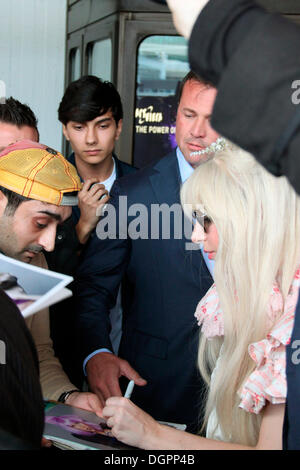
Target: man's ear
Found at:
119, 128
65, 132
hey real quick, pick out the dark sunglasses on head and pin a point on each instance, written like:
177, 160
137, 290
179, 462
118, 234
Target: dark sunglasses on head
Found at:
202, 219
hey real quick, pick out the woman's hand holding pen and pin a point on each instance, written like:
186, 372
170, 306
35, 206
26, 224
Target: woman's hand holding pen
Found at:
129, 423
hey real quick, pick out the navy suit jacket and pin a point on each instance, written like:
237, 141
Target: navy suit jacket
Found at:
163, 284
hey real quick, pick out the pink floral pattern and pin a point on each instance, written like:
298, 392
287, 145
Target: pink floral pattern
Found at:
210, 315
268, 381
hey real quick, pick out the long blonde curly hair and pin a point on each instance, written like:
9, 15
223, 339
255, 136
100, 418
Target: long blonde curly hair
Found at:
257, 217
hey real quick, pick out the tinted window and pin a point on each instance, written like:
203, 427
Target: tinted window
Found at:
75, 64
100, 59
162, 63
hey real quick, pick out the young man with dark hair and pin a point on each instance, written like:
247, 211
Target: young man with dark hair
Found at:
91, 114
90, 97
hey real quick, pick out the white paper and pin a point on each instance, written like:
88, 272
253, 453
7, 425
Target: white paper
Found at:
44, 287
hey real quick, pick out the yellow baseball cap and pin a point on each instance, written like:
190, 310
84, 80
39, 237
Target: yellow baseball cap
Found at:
39, 172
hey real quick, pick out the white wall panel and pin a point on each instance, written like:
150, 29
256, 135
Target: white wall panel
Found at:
32, 59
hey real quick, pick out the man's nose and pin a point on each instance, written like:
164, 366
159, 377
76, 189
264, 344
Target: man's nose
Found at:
199, 127
91, 137
47, 238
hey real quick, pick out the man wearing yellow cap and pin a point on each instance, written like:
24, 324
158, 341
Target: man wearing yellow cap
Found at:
38, 187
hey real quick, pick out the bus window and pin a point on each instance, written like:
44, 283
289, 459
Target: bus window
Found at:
161, 65
100, 59
75, 64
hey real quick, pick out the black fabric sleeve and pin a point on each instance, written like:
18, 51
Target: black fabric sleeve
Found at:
217, 34
252, 56
21, 402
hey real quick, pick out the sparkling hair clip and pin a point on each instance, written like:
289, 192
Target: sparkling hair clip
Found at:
215, 147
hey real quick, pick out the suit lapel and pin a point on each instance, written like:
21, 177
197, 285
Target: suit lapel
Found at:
165, 180
119, 171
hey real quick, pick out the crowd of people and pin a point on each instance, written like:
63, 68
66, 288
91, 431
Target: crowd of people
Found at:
206, 333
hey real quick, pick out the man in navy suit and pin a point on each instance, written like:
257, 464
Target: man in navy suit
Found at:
162, 280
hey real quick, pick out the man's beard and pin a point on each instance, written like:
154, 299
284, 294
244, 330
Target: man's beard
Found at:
35, 249
10, 242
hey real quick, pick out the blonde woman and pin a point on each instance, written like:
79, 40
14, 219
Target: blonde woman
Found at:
249, 222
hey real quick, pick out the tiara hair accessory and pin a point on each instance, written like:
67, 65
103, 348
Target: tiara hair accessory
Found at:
214, 147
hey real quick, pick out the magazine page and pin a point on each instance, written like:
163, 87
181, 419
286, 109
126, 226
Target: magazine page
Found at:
32, 288
73, 428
